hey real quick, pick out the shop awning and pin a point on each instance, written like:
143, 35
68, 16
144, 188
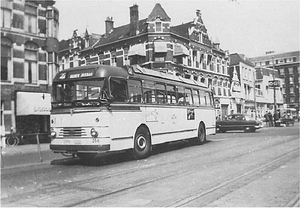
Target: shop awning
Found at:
180, 50
138, 49
31, 103
160, 47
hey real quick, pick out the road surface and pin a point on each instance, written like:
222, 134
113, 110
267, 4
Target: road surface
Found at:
230, 169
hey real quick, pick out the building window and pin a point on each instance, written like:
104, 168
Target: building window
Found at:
292, 99
158, 26
30, 23
160, 57
42, 72
18, 21
291, 71
31, 62
294, 59
5, 60
281, 71
6, 18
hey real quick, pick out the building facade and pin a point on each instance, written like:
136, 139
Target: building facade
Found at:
153, 43
29, 61
242, 79
264, 93
288, 68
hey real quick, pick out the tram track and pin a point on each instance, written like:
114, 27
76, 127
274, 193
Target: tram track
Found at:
106, 190
237, 182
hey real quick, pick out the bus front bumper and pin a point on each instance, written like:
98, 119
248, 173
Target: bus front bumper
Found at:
79, 148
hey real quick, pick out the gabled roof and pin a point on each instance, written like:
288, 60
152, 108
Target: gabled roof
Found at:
236, 58
158, 11
120, 33
182, 30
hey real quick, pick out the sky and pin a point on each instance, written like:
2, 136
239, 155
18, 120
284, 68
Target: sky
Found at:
249, 27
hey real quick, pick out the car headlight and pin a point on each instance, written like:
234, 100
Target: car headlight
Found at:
94, 133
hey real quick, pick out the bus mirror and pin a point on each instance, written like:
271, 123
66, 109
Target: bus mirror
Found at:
105, 101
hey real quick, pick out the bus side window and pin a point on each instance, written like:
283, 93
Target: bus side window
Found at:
118, 89
202, 98
196, 97
135, 91
149, 92
188, 96
209, 101
180, 96
171, 94
160, 93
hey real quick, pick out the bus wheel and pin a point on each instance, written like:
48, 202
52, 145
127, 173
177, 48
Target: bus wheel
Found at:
201, 134
142, 143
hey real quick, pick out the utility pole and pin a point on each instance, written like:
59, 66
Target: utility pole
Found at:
274, 86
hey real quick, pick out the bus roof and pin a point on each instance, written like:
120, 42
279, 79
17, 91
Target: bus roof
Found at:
92, 71
89, 71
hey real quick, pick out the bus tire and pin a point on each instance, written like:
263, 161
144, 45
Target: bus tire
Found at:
142, 143
201, 134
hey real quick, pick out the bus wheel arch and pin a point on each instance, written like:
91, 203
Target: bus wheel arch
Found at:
201, 138
142, 142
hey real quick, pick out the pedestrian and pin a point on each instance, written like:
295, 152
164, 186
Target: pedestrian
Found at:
266, 119
270, 119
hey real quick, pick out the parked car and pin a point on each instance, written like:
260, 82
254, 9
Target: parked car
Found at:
238, 122
287, 120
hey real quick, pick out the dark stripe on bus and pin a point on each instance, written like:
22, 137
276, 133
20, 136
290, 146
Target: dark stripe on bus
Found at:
111, 108
174, 132
121, 138
105, 147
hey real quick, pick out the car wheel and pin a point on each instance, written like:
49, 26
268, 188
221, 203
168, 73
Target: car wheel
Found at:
142, 143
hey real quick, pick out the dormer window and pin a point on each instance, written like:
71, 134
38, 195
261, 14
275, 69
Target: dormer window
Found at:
158, 26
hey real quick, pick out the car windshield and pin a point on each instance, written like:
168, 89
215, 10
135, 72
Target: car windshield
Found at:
239, 117
78, 91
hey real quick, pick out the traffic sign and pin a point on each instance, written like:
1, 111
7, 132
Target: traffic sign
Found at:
274, 83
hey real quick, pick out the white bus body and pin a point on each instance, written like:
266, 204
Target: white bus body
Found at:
98, 126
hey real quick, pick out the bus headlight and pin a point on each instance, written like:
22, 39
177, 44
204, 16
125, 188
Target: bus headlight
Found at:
53, 134
94, 133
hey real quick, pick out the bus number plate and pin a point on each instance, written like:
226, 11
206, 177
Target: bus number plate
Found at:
96, 140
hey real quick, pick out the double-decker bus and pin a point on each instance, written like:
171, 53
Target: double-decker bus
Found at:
100, 109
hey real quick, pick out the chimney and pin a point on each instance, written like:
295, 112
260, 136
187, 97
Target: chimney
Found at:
134, 20
198, 13
109, 25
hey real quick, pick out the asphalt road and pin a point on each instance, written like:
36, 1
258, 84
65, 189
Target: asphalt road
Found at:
231, 169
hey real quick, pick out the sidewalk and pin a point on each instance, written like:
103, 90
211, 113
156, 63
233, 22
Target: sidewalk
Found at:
25, 155
23, 149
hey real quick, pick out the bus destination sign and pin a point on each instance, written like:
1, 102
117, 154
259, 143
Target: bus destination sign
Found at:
81, 74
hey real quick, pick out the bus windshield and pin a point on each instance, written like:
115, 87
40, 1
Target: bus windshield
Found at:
88, 92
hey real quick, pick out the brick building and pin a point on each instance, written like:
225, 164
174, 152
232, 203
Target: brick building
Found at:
152, 42
29, 61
